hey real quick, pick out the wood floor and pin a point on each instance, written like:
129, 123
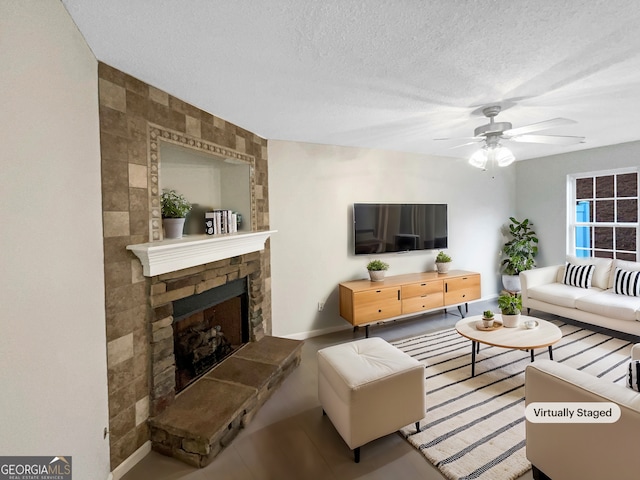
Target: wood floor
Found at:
289, 438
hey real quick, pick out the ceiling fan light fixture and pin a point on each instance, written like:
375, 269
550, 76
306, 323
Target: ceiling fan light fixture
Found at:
503, 156
479, 158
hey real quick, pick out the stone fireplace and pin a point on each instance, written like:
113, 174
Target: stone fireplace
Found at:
174, 301
139, 301
207, 328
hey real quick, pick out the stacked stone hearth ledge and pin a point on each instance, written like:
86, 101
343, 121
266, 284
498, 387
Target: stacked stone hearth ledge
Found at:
208, 415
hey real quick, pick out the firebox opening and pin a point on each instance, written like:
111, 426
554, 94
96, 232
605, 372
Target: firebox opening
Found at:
207, 328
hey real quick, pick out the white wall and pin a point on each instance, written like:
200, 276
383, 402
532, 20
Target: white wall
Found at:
53, 372
312, 189
542, 191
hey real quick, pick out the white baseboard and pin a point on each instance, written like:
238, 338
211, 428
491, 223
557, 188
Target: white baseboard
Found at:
130, 462
316, 333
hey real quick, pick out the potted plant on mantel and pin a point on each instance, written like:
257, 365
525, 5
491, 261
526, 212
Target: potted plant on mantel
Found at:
520, 252
510, 304
443, 262
174, 210
377, 269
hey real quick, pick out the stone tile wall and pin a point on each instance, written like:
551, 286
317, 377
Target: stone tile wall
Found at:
127, 107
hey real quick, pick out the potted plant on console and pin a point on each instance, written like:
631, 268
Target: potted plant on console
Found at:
510, 304
520, 252
377, 269
174, 210
443, 262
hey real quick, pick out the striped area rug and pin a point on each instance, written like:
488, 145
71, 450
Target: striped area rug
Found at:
474, 427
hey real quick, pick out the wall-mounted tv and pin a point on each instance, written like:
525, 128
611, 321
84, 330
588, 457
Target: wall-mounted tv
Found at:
399, 227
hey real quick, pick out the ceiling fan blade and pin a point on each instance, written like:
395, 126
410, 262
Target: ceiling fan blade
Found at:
458, 138
536, 127
549, 139
476, 141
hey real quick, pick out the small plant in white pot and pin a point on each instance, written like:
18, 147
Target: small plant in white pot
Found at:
377, 269
443, 261
510, 305
487, 319
174, 210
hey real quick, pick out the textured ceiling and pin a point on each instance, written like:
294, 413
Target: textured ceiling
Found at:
390, 74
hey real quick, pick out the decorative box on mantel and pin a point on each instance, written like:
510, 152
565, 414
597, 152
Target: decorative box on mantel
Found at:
172, 255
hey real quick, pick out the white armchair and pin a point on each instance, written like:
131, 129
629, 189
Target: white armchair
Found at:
588, 451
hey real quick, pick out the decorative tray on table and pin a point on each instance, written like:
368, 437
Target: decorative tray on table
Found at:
496, 325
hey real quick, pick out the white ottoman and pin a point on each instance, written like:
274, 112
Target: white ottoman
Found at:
369, 389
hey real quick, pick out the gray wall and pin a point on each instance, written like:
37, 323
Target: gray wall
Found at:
541, 191
53, 373
312, 189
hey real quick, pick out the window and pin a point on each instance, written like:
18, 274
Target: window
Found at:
603, 215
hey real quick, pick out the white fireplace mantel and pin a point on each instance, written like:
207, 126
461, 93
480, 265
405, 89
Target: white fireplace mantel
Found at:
192, 250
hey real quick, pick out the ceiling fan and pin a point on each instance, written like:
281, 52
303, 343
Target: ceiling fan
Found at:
493, 133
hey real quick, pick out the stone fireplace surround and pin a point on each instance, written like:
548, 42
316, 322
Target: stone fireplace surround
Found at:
167, 288
138, 307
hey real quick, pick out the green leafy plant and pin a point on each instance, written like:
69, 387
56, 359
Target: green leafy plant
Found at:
377, 265
521, 249
487, 314
510, 304
443, 257
174, 205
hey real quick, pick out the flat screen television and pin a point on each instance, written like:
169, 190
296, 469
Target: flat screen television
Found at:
399, 227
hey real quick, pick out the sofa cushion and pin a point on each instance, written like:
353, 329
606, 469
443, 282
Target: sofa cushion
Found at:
623, 265
560, 294
633, 377
626, 283
578, 275
602, 273
609, 304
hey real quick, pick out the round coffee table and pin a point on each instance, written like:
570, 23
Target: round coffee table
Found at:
520, 337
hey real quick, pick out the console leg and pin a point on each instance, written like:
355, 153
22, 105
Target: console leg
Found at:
366, 331
460, 310
356, 455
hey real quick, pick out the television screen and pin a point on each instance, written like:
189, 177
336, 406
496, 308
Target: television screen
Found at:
399, 227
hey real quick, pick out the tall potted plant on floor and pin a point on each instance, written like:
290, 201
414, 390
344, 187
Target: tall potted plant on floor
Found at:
520, 251
174, 210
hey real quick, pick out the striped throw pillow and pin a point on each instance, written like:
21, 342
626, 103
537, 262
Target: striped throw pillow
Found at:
626, 283
634, 375
578, 275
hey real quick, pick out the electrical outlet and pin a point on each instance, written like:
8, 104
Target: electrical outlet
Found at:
320, 306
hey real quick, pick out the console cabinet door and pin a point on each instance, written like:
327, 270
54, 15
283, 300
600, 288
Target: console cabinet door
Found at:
417, 297
372, 305
461, 289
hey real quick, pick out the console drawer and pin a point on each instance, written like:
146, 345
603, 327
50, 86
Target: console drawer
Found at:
372, 305
424, 302
420, 289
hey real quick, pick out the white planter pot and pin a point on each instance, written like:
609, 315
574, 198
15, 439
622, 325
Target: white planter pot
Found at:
510, 321
511, 283
443, 267
173, 227
376, 275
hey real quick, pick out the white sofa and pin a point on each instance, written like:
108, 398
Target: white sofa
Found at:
543, 289
588, 451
